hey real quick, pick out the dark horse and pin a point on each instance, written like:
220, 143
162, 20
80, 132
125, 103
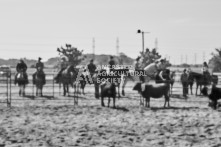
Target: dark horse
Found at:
22, 82
39, 81
201, 80
68, 76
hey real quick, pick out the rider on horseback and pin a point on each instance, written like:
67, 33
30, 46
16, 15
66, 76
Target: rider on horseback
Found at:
161, 66
155, 69
21, 67
111, 63
91, 68
39, 67
138, 67
63, 66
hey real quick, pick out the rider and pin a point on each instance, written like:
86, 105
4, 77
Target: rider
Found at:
111, 63
205, 68
39, 67
155, 68
91, 68
63, 66
160, 68
138, 67
21, 67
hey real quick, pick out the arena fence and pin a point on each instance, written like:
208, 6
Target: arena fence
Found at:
8, 89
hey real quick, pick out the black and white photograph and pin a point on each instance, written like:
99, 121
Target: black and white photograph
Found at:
110, 73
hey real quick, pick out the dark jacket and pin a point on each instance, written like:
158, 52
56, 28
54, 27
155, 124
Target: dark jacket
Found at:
91, 67
111, 63
39, 64
21, 67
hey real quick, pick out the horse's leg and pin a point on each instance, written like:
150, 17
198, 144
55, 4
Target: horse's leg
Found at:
118, 88
102, 101
82, 88
108, 101
114, 102
36, 90
197, 85
148, 101
124, 80
23, 87
20, 90
79, 91
41, 90
191, 86
201, 89
96, 85
64, 89
171, 89
68, 90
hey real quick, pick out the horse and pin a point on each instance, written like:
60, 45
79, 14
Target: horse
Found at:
201, 80
83, 78
39, 81
22, 82
68, 76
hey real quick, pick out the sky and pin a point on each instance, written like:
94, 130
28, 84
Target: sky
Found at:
186, 30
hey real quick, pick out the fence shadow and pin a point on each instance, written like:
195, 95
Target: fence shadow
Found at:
48, 97
178, 96
122, 109
173, 108
29, 96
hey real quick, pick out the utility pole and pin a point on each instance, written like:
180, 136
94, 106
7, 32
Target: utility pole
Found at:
156, 44
142, 32
117, 47
203, 56
181, 59
195, 58
93, 47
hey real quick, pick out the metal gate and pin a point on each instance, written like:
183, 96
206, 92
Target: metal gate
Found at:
5, 87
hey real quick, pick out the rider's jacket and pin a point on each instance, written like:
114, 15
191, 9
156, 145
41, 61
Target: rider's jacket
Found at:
91, 67
21, 67
39, 65
63, 65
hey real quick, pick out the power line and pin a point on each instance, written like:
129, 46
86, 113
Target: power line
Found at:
117, 46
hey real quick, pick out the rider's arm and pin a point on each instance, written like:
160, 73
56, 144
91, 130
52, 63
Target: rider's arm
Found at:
161, 75
25, 67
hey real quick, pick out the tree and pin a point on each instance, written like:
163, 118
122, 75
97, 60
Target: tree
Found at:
215, 62
73, 55
149, 57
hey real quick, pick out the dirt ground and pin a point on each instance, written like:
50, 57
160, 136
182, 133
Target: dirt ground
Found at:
57, 122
